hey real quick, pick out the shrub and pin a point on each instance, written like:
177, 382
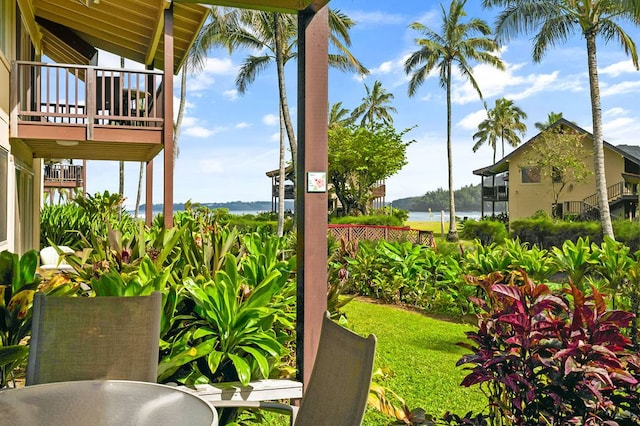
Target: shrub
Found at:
545, 358
383, 220
627, 232
546, 232
486, 231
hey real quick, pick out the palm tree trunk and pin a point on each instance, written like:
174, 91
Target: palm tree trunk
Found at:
453, 231
139, 194
598, 149
181, 106
282, 177
282, 90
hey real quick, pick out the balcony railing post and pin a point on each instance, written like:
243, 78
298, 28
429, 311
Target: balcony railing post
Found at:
14, 101
90, 101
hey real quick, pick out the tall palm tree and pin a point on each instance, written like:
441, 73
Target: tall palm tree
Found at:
457, 43
375, 106
554, 21
552, 117
503, 123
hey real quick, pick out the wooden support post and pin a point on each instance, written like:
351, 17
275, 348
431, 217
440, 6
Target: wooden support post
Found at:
311, 207
168, 117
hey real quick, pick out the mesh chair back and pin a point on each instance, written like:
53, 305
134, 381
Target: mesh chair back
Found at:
85, 338
339, 384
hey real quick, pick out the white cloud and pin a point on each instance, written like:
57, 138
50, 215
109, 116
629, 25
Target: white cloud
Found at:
471, 121
614, 112
198, 132
625, 87
275, 137
270, 119
242, 125
188, 121
614, 70
220, 66
232, 94
622, 130
363, 18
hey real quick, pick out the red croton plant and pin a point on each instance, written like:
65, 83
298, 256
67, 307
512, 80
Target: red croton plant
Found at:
551, 358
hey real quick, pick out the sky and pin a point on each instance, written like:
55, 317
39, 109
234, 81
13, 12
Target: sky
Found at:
229, 140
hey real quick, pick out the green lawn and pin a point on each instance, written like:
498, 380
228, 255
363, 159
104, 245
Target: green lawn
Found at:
421, 353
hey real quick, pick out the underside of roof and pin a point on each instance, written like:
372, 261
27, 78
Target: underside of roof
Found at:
285, 6
131, 29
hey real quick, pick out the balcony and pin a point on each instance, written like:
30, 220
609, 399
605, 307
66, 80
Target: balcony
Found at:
63, 176
85, 112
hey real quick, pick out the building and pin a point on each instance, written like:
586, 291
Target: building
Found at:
70, 108
525, 190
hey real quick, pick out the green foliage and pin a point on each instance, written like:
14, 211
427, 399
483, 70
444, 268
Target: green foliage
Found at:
561, 156
546, 232
486, 231
18, 283
380, 219
359, 158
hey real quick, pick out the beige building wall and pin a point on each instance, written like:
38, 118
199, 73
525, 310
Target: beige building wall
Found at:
525, 199
6, 51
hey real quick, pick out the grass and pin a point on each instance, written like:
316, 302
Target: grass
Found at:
421, 353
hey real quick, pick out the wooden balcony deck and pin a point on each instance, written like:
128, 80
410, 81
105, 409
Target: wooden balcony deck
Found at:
63, 176
83, 112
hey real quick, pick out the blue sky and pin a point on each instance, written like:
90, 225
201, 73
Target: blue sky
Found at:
228, 141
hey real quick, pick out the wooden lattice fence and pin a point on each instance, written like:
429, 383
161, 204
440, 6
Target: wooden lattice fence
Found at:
378, 232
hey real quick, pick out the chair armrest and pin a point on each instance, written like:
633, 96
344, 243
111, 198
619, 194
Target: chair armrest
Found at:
277, 407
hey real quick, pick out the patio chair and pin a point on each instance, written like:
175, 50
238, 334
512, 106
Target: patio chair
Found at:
89, 338
338, 388
51, 260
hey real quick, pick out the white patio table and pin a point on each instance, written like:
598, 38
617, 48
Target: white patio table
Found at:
104, 403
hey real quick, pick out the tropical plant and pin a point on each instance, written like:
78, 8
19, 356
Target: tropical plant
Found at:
458, 43
554, 21
339, 116
375, 106
361, 157
18, 283
503, 123
551, 358
552, 117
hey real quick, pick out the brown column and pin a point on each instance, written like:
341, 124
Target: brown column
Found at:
148, 194
84, 178
168, 117
311, 207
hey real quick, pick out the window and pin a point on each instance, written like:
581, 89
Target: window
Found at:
5, 27
4, 166
530, 175
556, 175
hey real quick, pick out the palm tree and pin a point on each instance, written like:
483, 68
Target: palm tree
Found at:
458, 42
256, 30
555, 21
503, 123
339, 116
375, 106
552, 117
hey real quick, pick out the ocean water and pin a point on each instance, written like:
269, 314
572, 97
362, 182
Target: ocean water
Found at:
436, 216
413, 216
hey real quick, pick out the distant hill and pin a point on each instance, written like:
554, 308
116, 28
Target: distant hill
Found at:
467, 198
248, 206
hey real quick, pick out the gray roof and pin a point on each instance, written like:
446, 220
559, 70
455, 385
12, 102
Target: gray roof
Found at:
630, 152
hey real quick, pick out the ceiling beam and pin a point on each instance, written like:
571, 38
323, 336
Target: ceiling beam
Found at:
285, 6
157, 32
29, 19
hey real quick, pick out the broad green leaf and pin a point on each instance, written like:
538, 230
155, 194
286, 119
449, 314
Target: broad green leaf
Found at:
242, 368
